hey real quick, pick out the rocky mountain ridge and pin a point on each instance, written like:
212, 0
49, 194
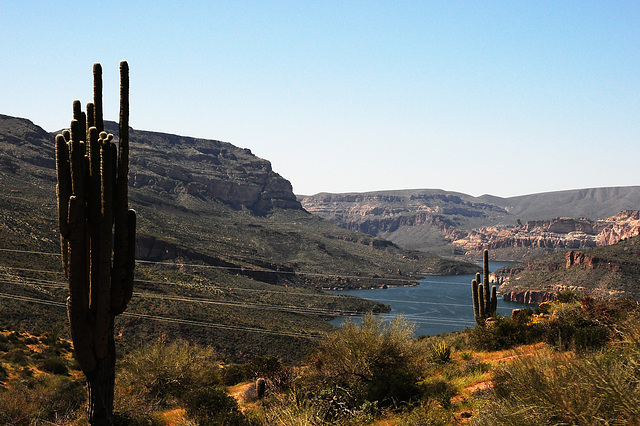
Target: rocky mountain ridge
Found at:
553, 234
453, 223
172, 164
199, 199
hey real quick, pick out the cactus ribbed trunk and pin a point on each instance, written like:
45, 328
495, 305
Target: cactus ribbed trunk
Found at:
485, 299
100, 387
97, 238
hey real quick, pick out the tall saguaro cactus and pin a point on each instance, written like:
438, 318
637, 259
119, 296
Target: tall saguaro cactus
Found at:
97, 235
485, 300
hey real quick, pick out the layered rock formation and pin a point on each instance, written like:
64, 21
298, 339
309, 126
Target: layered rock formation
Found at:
554, 234
416, 219
166, 164
446, 222
176, 165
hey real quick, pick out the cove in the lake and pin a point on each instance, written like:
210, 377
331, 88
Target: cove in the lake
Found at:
439, 304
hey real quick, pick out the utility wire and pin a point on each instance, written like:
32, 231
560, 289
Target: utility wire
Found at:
295, 309
245, 305
222, 326
239, 268
170, 320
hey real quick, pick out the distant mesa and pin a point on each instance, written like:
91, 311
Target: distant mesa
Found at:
450, 223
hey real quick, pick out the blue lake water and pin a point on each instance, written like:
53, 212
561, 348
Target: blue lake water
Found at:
440, 304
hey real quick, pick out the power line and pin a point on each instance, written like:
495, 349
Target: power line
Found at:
30, 252
249, 305
294, 309
171, 320
246, 305
226, 326
221, 326
239, 268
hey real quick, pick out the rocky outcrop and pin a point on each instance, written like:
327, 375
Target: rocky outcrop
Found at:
554, 234
588, 261
531, 297
179, 165
625, 224
165, 164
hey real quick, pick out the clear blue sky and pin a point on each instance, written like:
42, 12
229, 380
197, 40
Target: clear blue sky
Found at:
505, 98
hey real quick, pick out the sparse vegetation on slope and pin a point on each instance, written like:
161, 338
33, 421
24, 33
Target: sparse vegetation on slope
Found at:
605, 272
362, 374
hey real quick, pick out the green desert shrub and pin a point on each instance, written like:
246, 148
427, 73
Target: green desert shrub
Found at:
43, 400
17, 356
372, 364
505, 333
438, 390
262, 366
428, 414
439, 352
54, 365
213, 406
163, 373
3, 373
290, 410
592, 388
233, 374
572, 328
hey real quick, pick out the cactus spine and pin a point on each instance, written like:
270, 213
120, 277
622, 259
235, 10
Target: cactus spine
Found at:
97, 235
485, 299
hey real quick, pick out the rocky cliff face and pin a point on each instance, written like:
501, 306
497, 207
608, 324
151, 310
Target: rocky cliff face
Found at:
553, 234
417, 219
607, 271
444, 222
625, 224
168, 165
176, 165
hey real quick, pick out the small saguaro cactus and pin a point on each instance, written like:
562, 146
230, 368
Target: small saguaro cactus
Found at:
261, 386
97, 236
485, 300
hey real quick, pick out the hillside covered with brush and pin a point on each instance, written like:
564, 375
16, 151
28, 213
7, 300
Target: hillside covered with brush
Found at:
608, 272
225, 254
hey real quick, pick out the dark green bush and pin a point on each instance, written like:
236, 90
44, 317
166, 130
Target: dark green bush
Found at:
44, 400
568, 296
164, 373
373, 362
213, 406
233, 374
505, 333
262, 366
439, 391
30, 341
572, 328
584, 389
55, 365
16, 356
